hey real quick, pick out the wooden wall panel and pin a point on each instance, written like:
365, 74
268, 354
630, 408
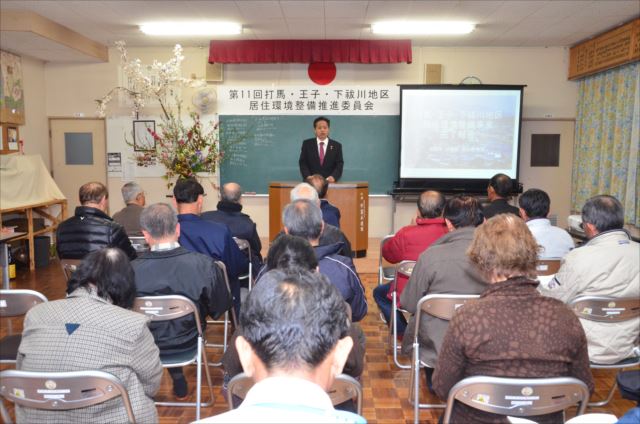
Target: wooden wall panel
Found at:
608, 50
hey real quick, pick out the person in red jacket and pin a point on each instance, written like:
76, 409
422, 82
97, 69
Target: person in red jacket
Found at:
407, 244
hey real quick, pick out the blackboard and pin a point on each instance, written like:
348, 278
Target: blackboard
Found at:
271, 145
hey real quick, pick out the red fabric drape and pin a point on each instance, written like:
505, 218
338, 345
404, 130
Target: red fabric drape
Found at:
309, 51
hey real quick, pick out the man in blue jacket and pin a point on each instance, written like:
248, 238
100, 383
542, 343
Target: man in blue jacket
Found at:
207, 237
304, 219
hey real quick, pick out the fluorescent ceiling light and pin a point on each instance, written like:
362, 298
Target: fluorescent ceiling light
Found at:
422, 27
191, 28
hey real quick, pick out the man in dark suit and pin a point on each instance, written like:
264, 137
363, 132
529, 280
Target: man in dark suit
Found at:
500, 186
321, 155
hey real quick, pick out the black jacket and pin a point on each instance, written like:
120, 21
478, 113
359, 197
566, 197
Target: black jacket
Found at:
240, 225
190, 274
309, 161
88, 230
499, 206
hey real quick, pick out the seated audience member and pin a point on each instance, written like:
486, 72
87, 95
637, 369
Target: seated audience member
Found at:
607, 265
207, 237
293, 254
93, 329
169, 268
91, 228
294, 342
303, 218
129, 216
534, 208
330, 213
512, 330
443, 269
229, 212
407, 244
498, 192
330, 234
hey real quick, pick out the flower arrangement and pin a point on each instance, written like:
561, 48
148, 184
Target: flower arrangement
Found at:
184, 150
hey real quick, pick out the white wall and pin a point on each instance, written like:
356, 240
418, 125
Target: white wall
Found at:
71, 89
35, 132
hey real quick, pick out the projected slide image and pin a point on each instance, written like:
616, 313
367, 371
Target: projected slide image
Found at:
459, 131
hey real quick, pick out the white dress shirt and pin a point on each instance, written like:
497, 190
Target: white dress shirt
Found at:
555, 241
326, 143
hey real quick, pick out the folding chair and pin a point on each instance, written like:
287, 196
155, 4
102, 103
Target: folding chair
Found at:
520, 397
404, 268
61, 391
244, 245
385, 273
14, 303
441, 306
69, 266
611, 310
343, 389
139, 244
225, 320
546, 269
549, 266
170, 307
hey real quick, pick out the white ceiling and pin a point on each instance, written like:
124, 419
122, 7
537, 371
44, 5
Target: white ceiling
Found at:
499, 23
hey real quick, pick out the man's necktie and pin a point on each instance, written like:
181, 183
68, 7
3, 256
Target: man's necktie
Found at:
321, 153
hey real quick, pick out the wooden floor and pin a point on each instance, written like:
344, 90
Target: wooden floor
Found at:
386, 388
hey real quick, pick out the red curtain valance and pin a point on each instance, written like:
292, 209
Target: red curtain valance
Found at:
309, 51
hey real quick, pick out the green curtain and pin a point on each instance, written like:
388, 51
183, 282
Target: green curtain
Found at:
605, 157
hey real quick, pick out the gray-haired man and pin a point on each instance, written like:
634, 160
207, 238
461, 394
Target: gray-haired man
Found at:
330, 234
169, 268
129, 216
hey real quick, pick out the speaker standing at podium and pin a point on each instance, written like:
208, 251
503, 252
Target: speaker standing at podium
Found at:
321, 155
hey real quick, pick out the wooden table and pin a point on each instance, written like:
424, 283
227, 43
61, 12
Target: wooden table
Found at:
38, 208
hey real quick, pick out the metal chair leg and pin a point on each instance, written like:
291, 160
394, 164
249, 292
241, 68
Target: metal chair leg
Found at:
394, 333
607, 399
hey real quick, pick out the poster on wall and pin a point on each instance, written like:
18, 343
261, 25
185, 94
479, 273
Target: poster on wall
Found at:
11, 89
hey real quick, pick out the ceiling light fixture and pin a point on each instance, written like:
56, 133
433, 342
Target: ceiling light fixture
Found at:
191, 28
422, 27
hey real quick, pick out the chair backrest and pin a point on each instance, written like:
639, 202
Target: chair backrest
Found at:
17, 302
606, 308
139, 243
69, 266
442, 306
243, 245
59, 391
344, 388
521, 397
166, 308
547, 266
405, 268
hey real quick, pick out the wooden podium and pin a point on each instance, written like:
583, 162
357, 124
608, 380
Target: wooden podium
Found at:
352, 198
